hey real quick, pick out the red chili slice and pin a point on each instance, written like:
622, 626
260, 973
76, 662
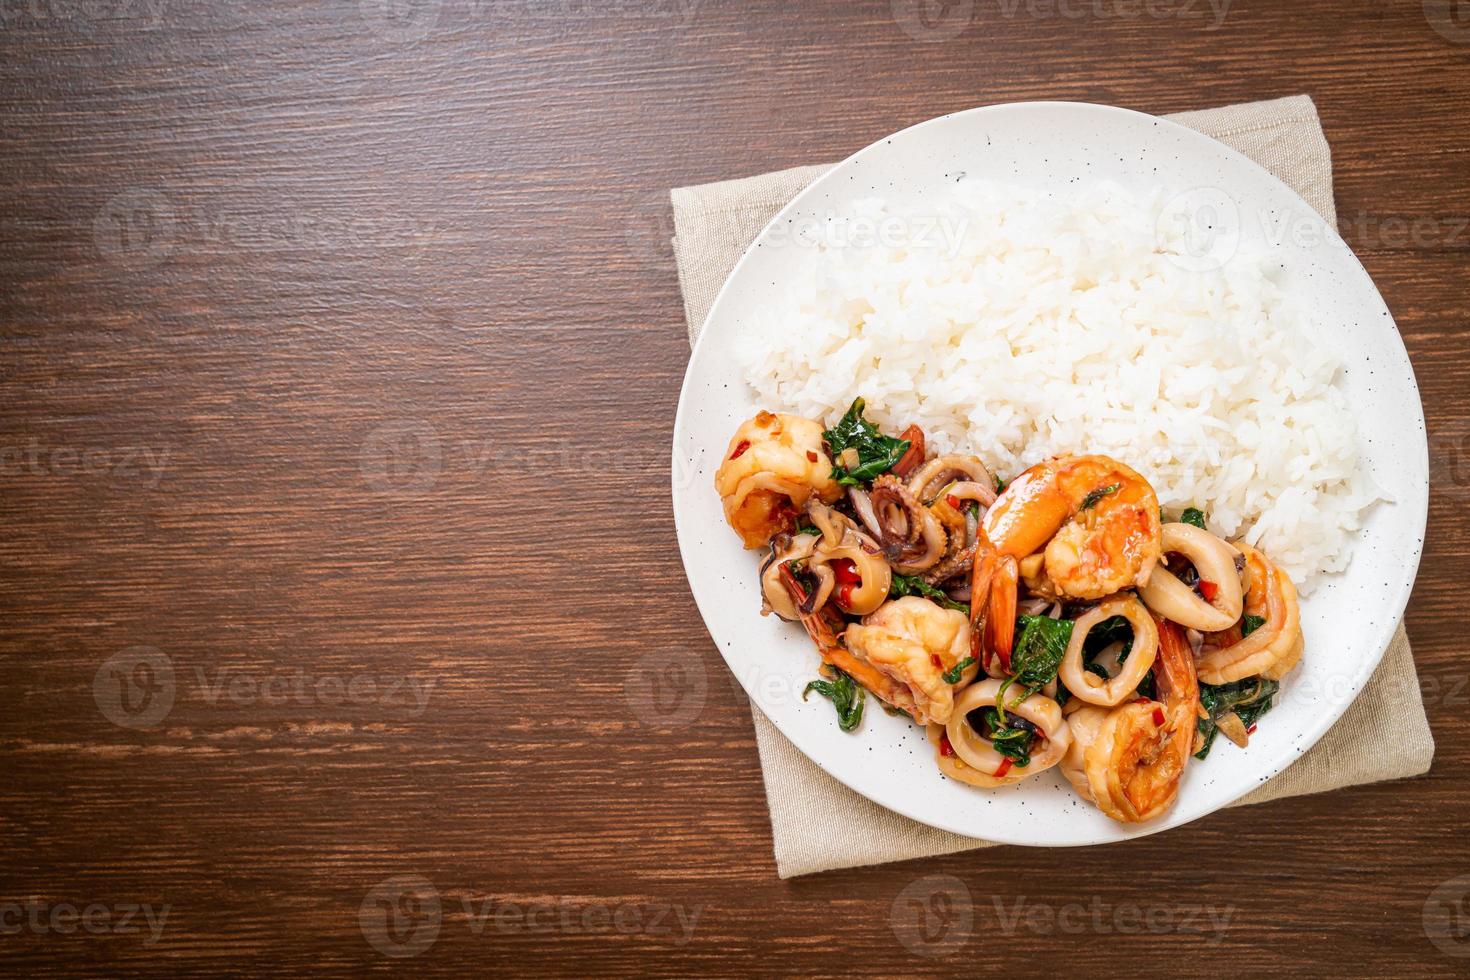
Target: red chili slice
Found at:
1003, 768
1251, 730
912, 456
846, 573
1159, 717
952, 500
1208, 590
944, 747
740, 449
934, 659
811, 456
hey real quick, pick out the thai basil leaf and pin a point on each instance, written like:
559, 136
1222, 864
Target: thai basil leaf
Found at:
1193, 515
1011, 736
1250, 624
952, 676
877, 453
1114, 629
1249, 698
846, 695
1090, 501
902, 585
1040, 644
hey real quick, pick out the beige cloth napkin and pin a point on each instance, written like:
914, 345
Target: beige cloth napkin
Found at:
819, 824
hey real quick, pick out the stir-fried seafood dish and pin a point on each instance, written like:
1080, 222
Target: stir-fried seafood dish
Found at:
1058, 619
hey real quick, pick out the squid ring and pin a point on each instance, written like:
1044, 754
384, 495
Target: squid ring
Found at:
1088, 686
1215, 561
873, 571
927, 480
977, 757
777, 597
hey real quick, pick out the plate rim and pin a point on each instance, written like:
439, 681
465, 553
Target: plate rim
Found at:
1321, 724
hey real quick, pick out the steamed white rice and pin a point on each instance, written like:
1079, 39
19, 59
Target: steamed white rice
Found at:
1017, 325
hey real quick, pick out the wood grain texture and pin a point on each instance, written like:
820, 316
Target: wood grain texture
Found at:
317, 319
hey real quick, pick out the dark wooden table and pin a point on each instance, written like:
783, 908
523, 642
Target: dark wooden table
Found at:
341, 601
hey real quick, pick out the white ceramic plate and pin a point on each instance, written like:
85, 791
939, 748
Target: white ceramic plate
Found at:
1348, 621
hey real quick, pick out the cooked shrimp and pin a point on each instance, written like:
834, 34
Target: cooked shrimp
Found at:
1217, 603
1083, 720
914, 642
772, 467
1271, 650
1136, 758
971, 757
1088, 686
1063, 541
1096, 519
825, 628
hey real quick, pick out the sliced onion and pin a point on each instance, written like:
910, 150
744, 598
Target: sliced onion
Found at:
1233, 728
862, 505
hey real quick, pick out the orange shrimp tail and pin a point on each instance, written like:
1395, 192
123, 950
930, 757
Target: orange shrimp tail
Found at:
1000, 615
824, 627
867, 675
1174, 677
982, 575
